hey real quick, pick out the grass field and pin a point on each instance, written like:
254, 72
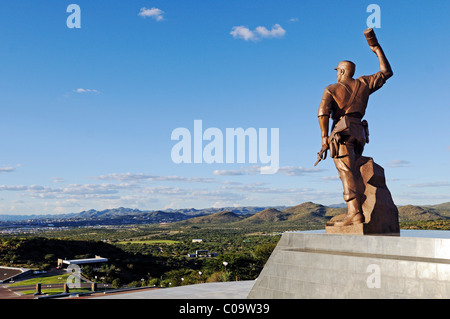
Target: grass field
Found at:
44, 280
55, 291
48, 280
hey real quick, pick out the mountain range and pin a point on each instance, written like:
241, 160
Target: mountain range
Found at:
307, 213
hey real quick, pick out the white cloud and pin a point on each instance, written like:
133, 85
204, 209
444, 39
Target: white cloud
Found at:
252, 170
81, 90
399, 163
252, 188
100, 196
432, 184
230, 172
154, 13
241, 32
74, 191
183, 195
276, 32
130, 177
7, 169
260, 32
12, 188
297, 170
248, 170
330, 178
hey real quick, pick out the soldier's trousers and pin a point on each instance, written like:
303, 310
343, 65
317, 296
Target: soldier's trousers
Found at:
348, 169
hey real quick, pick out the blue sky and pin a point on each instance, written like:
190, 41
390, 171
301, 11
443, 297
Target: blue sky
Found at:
87, 114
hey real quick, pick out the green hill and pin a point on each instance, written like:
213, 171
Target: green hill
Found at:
310, 215
415, 213
217, 218
303, 216
269, 215
307, 209
443, 209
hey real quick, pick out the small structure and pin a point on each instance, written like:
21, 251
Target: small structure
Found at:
317, 265
83, 261
38, 289
198, 240
203, 253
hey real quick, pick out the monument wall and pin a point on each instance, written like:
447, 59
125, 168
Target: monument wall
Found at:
312, 265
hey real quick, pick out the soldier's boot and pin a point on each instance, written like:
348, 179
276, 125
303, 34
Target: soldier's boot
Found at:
354, 213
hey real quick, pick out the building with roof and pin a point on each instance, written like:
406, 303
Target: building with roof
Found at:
203, 253
81, 262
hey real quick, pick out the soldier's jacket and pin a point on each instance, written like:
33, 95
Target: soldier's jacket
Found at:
347, 106
336, 96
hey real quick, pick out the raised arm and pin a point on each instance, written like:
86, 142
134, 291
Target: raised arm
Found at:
375, 46
385, 67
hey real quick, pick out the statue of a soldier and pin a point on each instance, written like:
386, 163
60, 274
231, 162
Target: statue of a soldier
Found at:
345, 102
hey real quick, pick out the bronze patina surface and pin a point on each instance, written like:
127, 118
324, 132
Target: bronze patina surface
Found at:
370, 206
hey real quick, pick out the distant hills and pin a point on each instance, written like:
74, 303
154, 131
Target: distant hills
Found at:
122, 212
216, 218
305, 214
432, 212
301, 215
122, 216
270, 215
311, 214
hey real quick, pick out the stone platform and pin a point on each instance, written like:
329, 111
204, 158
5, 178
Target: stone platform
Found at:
319, 265
380, 212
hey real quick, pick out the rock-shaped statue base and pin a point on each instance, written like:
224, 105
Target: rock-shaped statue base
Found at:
380, 212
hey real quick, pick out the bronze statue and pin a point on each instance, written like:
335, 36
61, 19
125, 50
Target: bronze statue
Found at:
345, 102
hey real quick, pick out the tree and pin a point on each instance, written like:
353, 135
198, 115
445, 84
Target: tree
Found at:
263, 252
116, 283
49, 257
88, 271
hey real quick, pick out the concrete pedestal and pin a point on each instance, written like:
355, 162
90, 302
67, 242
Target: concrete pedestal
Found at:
319, 265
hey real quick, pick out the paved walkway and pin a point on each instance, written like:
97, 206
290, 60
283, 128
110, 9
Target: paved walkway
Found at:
8, 293
214, 290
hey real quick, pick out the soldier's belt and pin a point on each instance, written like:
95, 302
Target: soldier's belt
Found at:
344, 127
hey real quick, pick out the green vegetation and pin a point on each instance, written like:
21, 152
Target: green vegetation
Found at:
157, 254
426, 224
156, 257
55, 291
44, 280
149, 242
